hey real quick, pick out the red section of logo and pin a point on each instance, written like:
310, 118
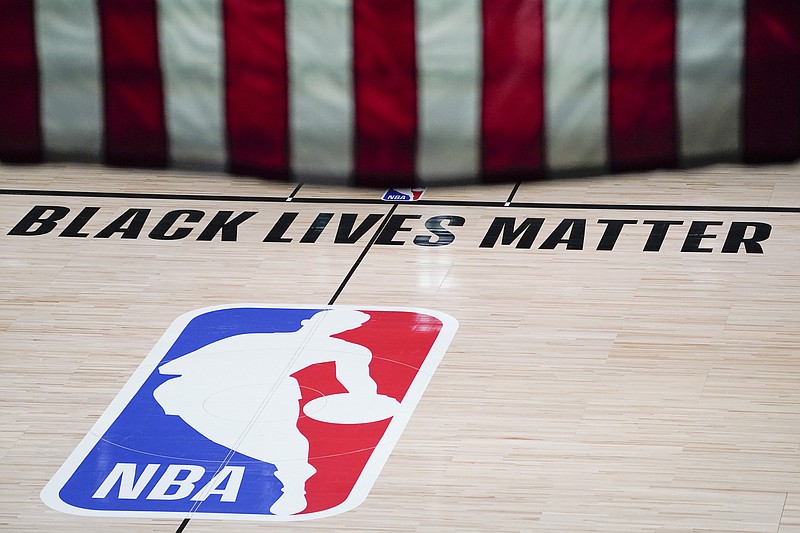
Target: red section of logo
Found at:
399, 342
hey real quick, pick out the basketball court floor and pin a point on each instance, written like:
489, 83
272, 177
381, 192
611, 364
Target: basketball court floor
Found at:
627, 357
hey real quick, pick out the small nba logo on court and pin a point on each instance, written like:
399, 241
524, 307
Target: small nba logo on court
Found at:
403, 195
256, 412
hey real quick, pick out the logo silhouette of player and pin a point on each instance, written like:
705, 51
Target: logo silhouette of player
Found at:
239, 392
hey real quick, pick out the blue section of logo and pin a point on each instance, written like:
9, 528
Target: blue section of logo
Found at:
144, 435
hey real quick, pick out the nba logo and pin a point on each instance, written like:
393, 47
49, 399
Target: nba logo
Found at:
403, 195
256, 412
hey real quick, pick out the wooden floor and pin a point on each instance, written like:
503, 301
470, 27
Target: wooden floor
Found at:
614, 390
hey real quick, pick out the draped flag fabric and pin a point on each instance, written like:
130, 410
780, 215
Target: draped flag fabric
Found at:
400, 92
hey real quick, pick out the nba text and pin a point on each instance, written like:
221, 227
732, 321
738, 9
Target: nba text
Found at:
170, 482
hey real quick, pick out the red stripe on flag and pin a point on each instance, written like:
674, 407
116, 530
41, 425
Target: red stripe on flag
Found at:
772, 81
135, 134
257, 87
642, 84
384, 71
513, 101
20, 132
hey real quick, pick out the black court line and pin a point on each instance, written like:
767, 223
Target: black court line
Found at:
336, 294
656, 207
367, 201
363, 254
512, 193
294, 192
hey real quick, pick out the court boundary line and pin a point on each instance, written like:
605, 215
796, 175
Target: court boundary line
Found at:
363, 254
369, 201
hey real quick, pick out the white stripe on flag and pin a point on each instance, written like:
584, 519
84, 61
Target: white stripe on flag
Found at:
320, 51
191, 54
710, 37
449, 34
68, 45
576, 84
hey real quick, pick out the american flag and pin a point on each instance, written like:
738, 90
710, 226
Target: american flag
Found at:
400, 92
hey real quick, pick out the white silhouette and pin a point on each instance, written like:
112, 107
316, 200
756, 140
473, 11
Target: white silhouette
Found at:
239, 392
